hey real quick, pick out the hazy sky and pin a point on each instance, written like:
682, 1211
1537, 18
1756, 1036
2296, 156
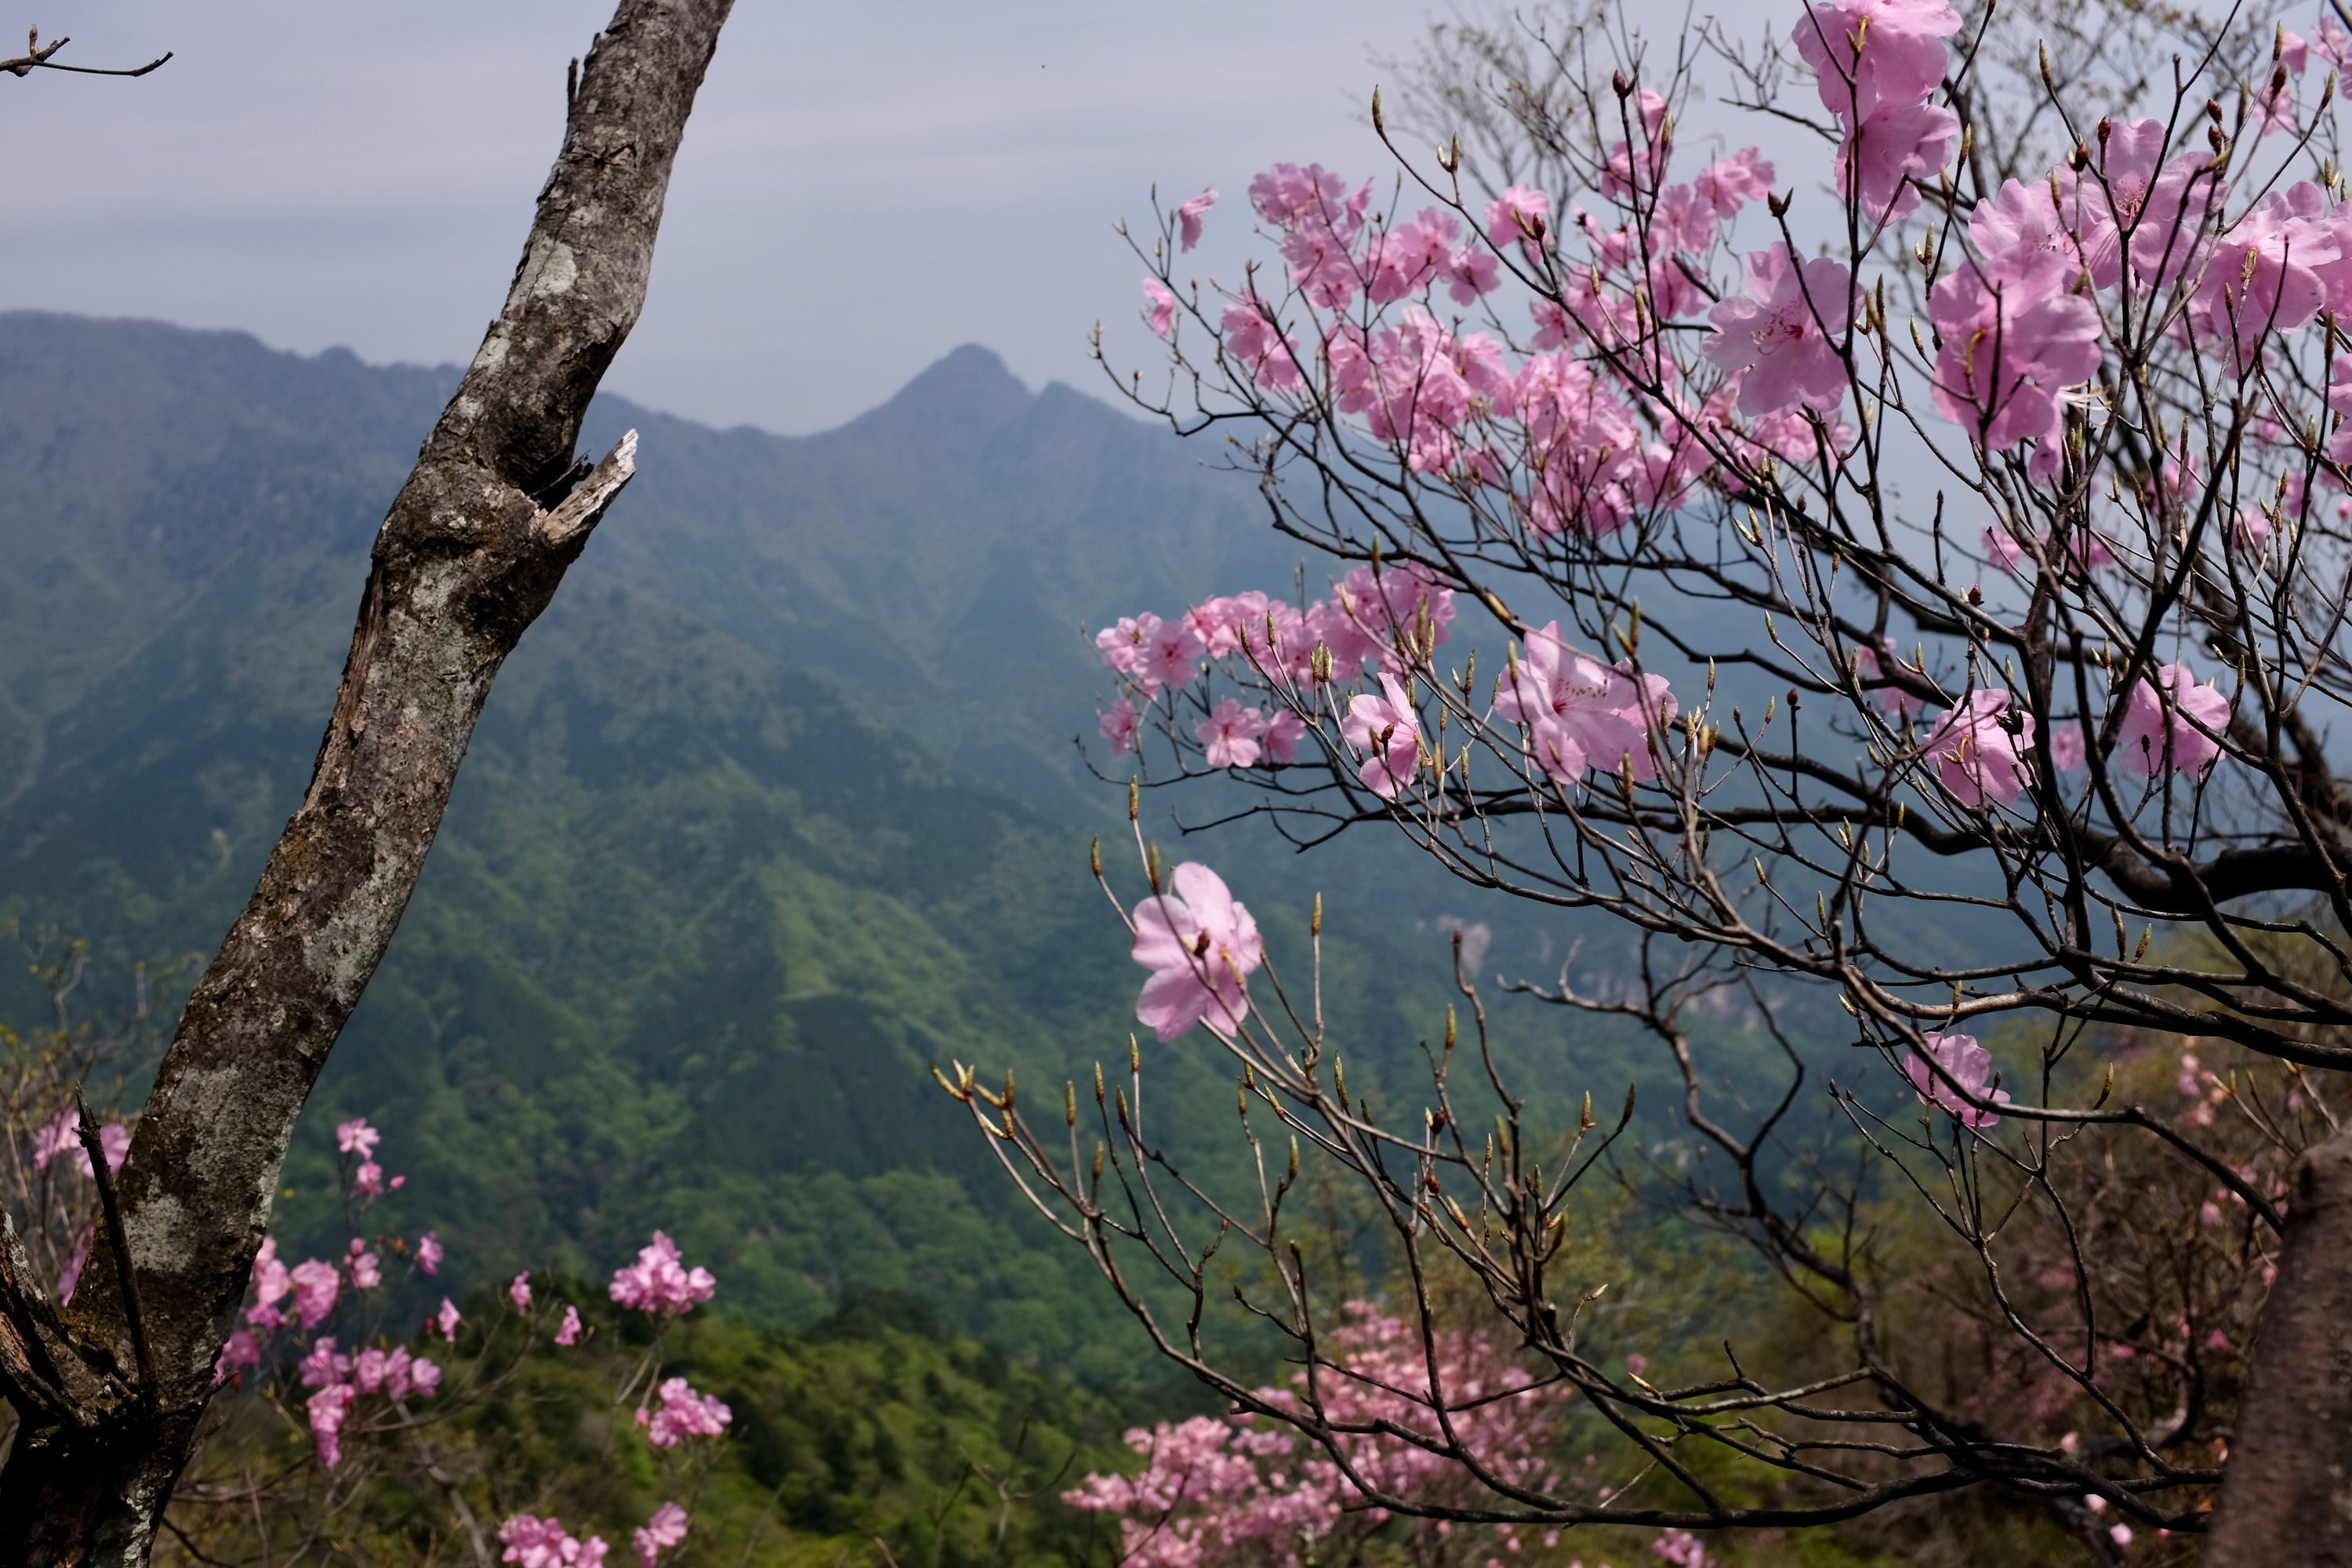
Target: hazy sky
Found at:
864, 186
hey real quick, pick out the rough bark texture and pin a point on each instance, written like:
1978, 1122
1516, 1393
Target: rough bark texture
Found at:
471, 551
2286, 1496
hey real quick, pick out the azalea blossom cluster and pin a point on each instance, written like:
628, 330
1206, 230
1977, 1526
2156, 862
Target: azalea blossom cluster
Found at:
532, 1541
1372, 621
1243, 1489
658, 1283
684, 1414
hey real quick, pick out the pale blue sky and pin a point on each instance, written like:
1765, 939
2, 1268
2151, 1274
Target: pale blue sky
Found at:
864, 186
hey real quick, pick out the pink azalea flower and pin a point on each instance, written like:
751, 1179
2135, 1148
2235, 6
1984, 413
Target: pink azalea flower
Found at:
2005, 356
1866, 54
424, 1377
428, 1252
61, 1136
1581, 713
271, 1283
1978, 759
1188, 217
1777, 337
1255, 346
2264, 275
364, 1267
1387, 730
1229, 736
1518, 216
446, 1320
240, 1350
2069, 746
1967, 1064
1471, 272
316, 1286
658, 1283
568, 1334
356, 1137
684, 1414
1117, 727
1282, 733
2024, 235
1880, 158
2176, 728
664, 1529
1729, 184
328, 1410
368, 1180
325, 1366
1169, 655
1163, 305
1201, 945
520, 1292
544, 1544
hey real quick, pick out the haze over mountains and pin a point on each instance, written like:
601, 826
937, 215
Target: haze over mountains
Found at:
774, 807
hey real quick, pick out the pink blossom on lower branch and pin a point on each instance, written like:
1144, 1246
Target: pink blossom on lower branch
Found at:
1387, 730
684, 1413
534, 1542
568, 1334
1965, 1063
1201, 944
316, 1286
664, 1530
446, 1320
1249, 1490
1977, 753
428, 1252
2178, 729
328, 1409
658, 1283
1229, 736
520, 1292
1163, 305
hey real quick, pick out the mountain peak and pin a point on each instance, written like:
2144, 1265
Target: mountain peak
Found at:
968, 388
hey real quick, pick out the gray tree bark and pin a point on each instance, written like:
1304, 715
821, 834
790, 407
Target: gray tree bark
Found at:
2287, 1496
111, 1390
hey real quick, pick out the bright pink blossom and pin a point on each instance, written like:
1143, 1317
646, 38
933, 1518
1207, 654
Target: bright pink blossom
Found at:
1169, 654
684, 1414
1518, 216
1387, 730
323, 1365
1229, 736
519, 1292
1965, 1063
2006, 355
1163, 305
534, 1542
446, 1320
1201, 945
2265, 273
1188, 217
1254, 345
2176, 728
328, 1409
1866, 54
316, 1286
1282, 733
1978, 756
240, 1350
428, 1252
658, 1283
1729, 184
1880, 159
1580, 713
367, 1182
356, 1137
1782, 337
364, 1267
568, 1334
1117, 727
664, 1530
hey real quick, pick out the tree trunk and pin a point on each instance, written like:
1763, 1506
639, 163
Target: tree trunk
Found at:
2286, 1496
111, 1391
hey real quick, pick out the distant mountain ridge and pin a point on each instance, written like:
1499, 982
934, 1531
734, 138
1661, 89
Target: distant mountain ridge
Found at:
773, 807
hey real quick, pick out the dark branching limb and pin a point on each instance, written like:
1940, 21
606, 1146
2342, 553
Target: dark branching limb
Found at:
473, 549
39, 56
